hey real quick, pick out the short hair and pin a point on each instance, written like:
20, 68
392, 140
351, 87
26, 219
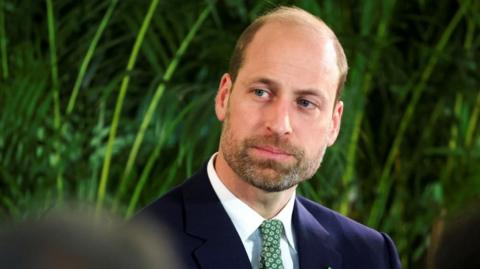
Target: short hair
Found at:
293, 15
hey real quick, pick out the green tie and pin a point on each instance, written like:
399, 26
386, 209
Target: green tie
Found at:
271, 231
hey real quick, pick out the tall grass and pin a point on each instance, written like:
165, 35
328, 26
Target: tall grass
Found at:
55, 93
385, 182
3, 41
111, 103
119, 103
170, 69
89, 55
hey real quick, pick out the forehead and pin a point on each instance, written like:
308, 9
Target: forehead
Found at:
299, 51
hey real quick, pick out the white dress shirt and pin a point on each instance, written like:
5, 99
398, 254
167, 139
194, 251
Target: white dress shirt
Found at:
247, 222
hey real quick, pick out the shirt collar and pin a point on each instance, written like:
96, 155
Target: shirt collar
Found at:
244, 218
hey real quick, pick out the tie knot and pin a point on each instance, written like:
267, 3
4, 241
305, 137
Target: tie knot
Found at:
271, 231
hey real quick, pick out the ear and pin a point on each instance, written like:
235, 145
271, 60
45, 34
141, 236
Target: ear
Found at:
335, 124
223, 94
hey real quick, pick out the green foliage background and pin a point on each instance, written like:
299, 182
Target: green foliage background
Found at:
111, 103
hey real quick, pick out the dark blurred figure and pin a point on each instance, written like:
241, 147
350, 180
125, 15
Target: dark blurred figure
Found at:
459, 244
83, 242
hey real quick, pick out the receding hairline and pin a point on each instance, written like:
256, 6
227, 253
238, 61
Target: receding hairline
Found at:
296, 16
290, 16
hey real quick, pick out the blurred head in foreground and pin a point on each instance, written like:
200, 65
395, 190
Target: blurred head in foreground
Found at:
459, 245
82, 242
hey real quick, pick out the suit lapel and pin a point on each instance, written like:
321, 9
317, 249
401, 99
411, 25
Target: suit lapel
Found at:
314, 247
206, 219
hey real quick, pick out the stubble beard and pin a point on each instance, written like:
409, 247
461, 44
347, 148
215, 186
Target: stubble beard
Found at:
267, 174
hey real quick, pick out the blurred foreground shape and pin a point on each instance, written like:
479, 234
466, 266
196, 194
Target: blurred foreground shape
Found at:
81, 241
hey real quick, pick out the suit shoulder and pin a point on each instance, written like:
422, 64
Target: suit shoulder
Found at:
342, 227
164, 209
170, 208
358, 243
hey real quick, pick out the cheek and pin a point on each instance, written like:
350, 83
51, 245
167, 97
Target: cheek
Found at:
245, 116
312, 135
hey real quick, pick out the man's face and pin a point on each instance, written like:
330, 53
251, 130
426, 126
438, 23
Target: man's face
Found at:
280, 115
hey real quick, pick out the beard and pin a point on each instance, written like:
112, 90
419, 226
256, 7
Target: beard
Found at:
267, 174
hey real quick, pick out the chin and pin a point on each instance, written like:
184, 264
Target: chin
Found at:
271, 183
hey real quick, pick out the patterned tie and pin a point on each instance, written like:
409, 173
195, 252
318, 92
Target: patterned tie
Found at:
271, 231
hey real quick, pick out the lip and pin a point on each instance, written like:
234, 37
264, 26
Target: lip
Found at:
273, 150
273, 153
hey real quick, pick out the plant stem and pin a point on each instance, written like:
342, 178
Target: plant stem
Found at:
156, 98
169, 127
55, 92
53, 62
3, 41
89, 55
452, 143
473, 123
143, 179
386, 181
381, 34
119, 104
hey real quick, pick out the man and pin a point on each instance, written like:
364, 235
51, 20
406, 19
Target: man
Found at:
280, 109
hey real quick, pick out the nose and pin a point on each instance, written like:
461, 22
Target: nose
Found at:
278, 118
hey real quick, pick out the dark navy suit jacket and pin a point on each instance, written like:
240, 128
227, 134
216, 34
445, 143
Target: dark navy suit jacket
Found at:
205, 237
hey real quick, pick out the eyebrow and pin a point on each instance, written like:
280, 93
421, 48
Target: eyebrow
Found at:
265, 80
299, 92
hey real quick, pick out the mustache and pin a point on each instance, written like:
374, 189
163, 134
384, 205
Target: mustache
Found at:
274, 141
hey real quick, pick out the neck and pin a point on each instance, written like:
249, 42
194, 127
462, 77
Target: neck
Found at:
266, 204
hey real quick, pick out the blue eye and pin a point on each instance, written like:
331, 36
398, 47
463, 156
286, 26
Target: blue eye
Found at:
305, 103
260, 92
